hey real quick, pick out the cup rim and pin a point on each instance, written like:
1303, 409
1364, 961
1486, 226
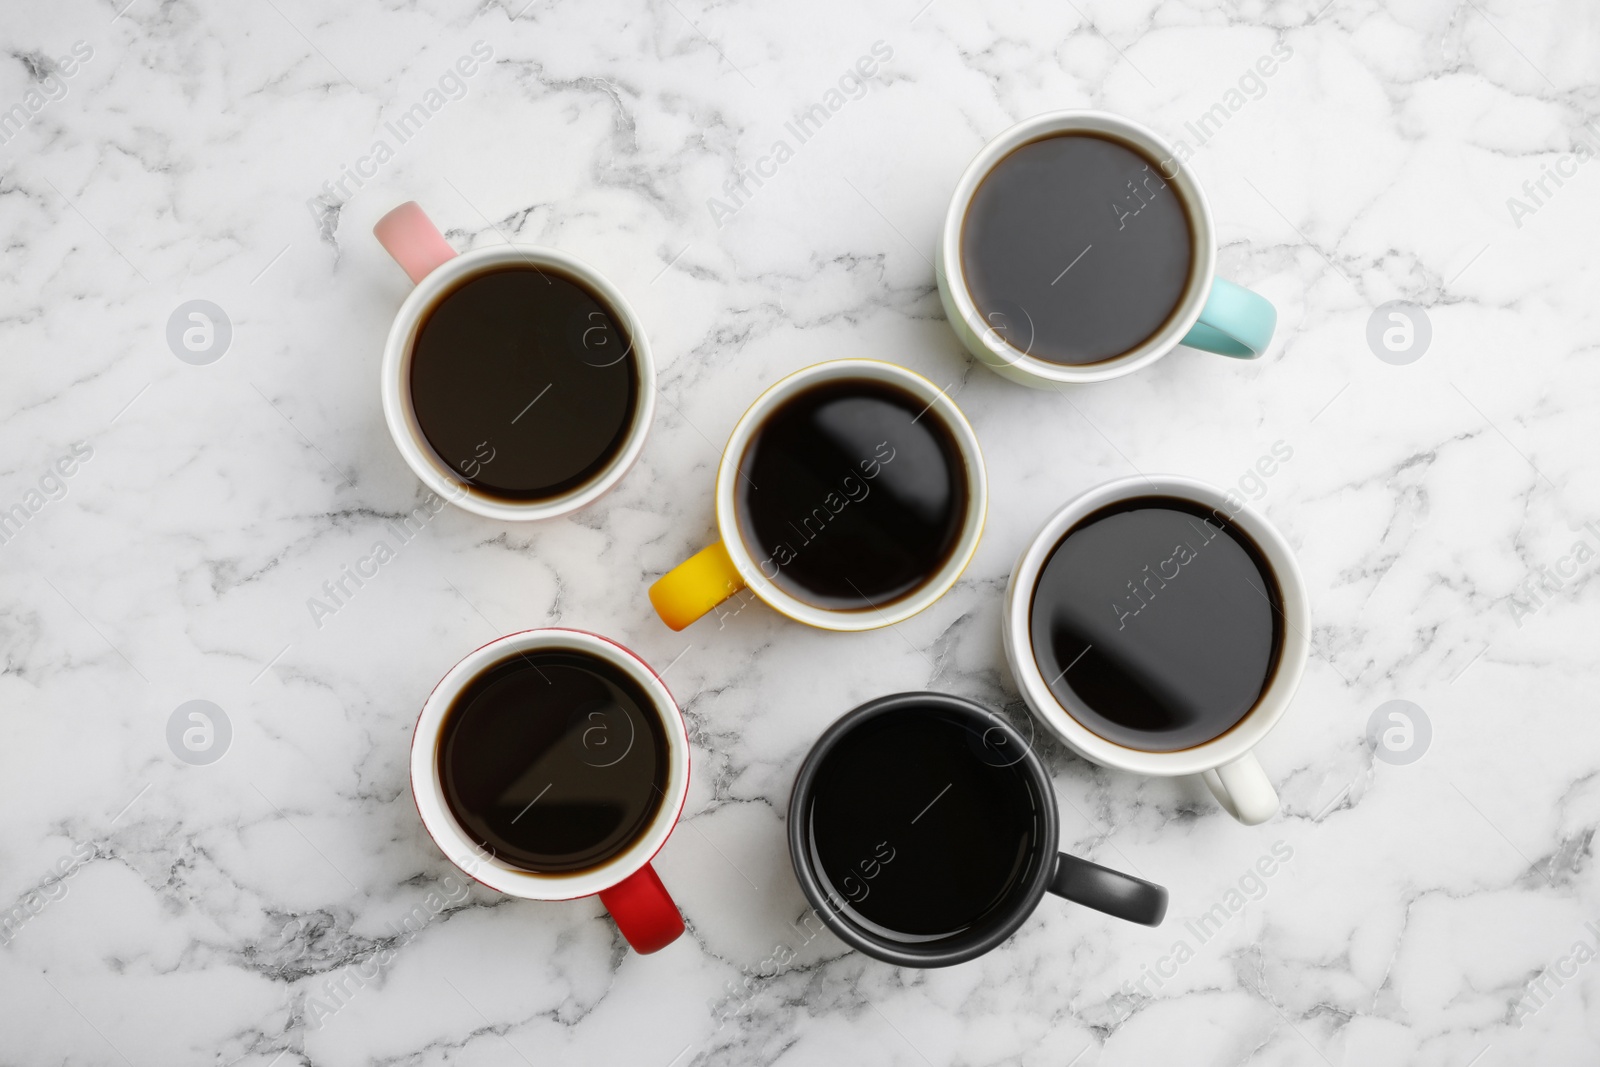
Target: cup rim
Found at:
466, 854
959, 306
862, 618
1048, 707
400, 415
1027, 900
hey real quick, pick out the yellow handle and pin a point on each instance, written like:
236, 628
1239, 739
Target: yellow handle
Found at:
695, 586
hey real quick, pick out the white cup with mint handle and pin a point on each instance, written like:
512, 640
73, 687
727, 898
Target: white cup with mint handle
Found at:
1211, 313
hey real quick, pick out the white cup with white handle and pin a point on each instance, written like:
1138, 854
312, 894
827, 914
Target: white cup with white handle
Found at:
1226, 762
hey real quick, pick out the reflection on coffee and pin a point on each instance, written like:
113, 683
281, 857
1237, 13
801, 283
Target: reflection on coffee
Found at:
1076, 248
921, 825
553, 760
524, 382
1157, 623
852, 494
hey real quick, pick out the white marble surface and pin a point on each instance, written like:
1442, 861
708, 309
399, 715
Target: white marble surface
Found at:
163, 913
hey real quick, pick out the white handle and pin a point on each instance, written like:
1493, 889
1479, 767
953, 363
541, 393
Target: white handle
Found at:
1241, 787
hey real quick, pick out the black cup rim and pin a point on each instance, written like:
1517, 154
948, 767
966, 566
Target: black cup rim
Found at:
968, 948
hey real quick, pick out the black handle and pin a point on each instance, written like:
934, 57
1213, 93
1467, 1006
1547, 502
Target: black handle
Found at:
1101, 888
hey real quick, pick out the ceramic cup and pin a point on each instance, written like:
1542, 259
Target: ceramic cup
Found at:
427, 258
1212, 314
626, 883
916, 849
1227, 762
726, 568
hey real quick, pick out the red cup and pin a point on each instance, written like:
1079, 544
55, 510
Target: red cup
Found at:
626, 883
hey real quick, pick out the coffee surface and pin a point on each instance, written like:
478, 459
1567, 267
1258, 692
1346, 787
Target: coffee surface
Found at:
553, 760
852, 495
524, 382
1162, 618
921, 826
1076, 249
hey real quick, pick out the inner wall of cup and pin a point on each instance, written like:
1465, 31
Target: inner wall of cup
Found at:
733, 522
1195, 209
437, 288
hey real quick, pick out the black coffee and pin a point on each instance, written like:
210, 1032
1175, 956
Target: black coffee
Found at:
1076, 249
921, 826
1162, 617
852, 495
524, 382
553, 760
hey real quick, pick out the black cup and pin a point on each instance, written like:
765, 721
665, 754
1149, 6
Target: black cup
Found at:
969, 876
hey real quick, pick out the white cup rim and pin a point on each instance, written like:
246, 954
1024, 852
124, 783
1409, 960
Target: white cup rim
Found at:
1048, 707
963, 312
866, 618
400, 415
460, 849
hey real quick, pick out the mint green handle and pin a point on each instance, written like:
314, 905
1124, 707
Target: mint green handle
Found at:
1235, 322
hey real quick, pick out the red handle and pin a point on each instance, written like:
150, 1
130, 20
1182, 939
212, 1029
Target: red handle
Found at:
413, 240
644, 912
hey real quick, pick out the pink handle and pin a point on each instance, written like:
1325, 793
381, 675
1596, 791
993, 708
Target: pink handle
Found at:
413, 240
